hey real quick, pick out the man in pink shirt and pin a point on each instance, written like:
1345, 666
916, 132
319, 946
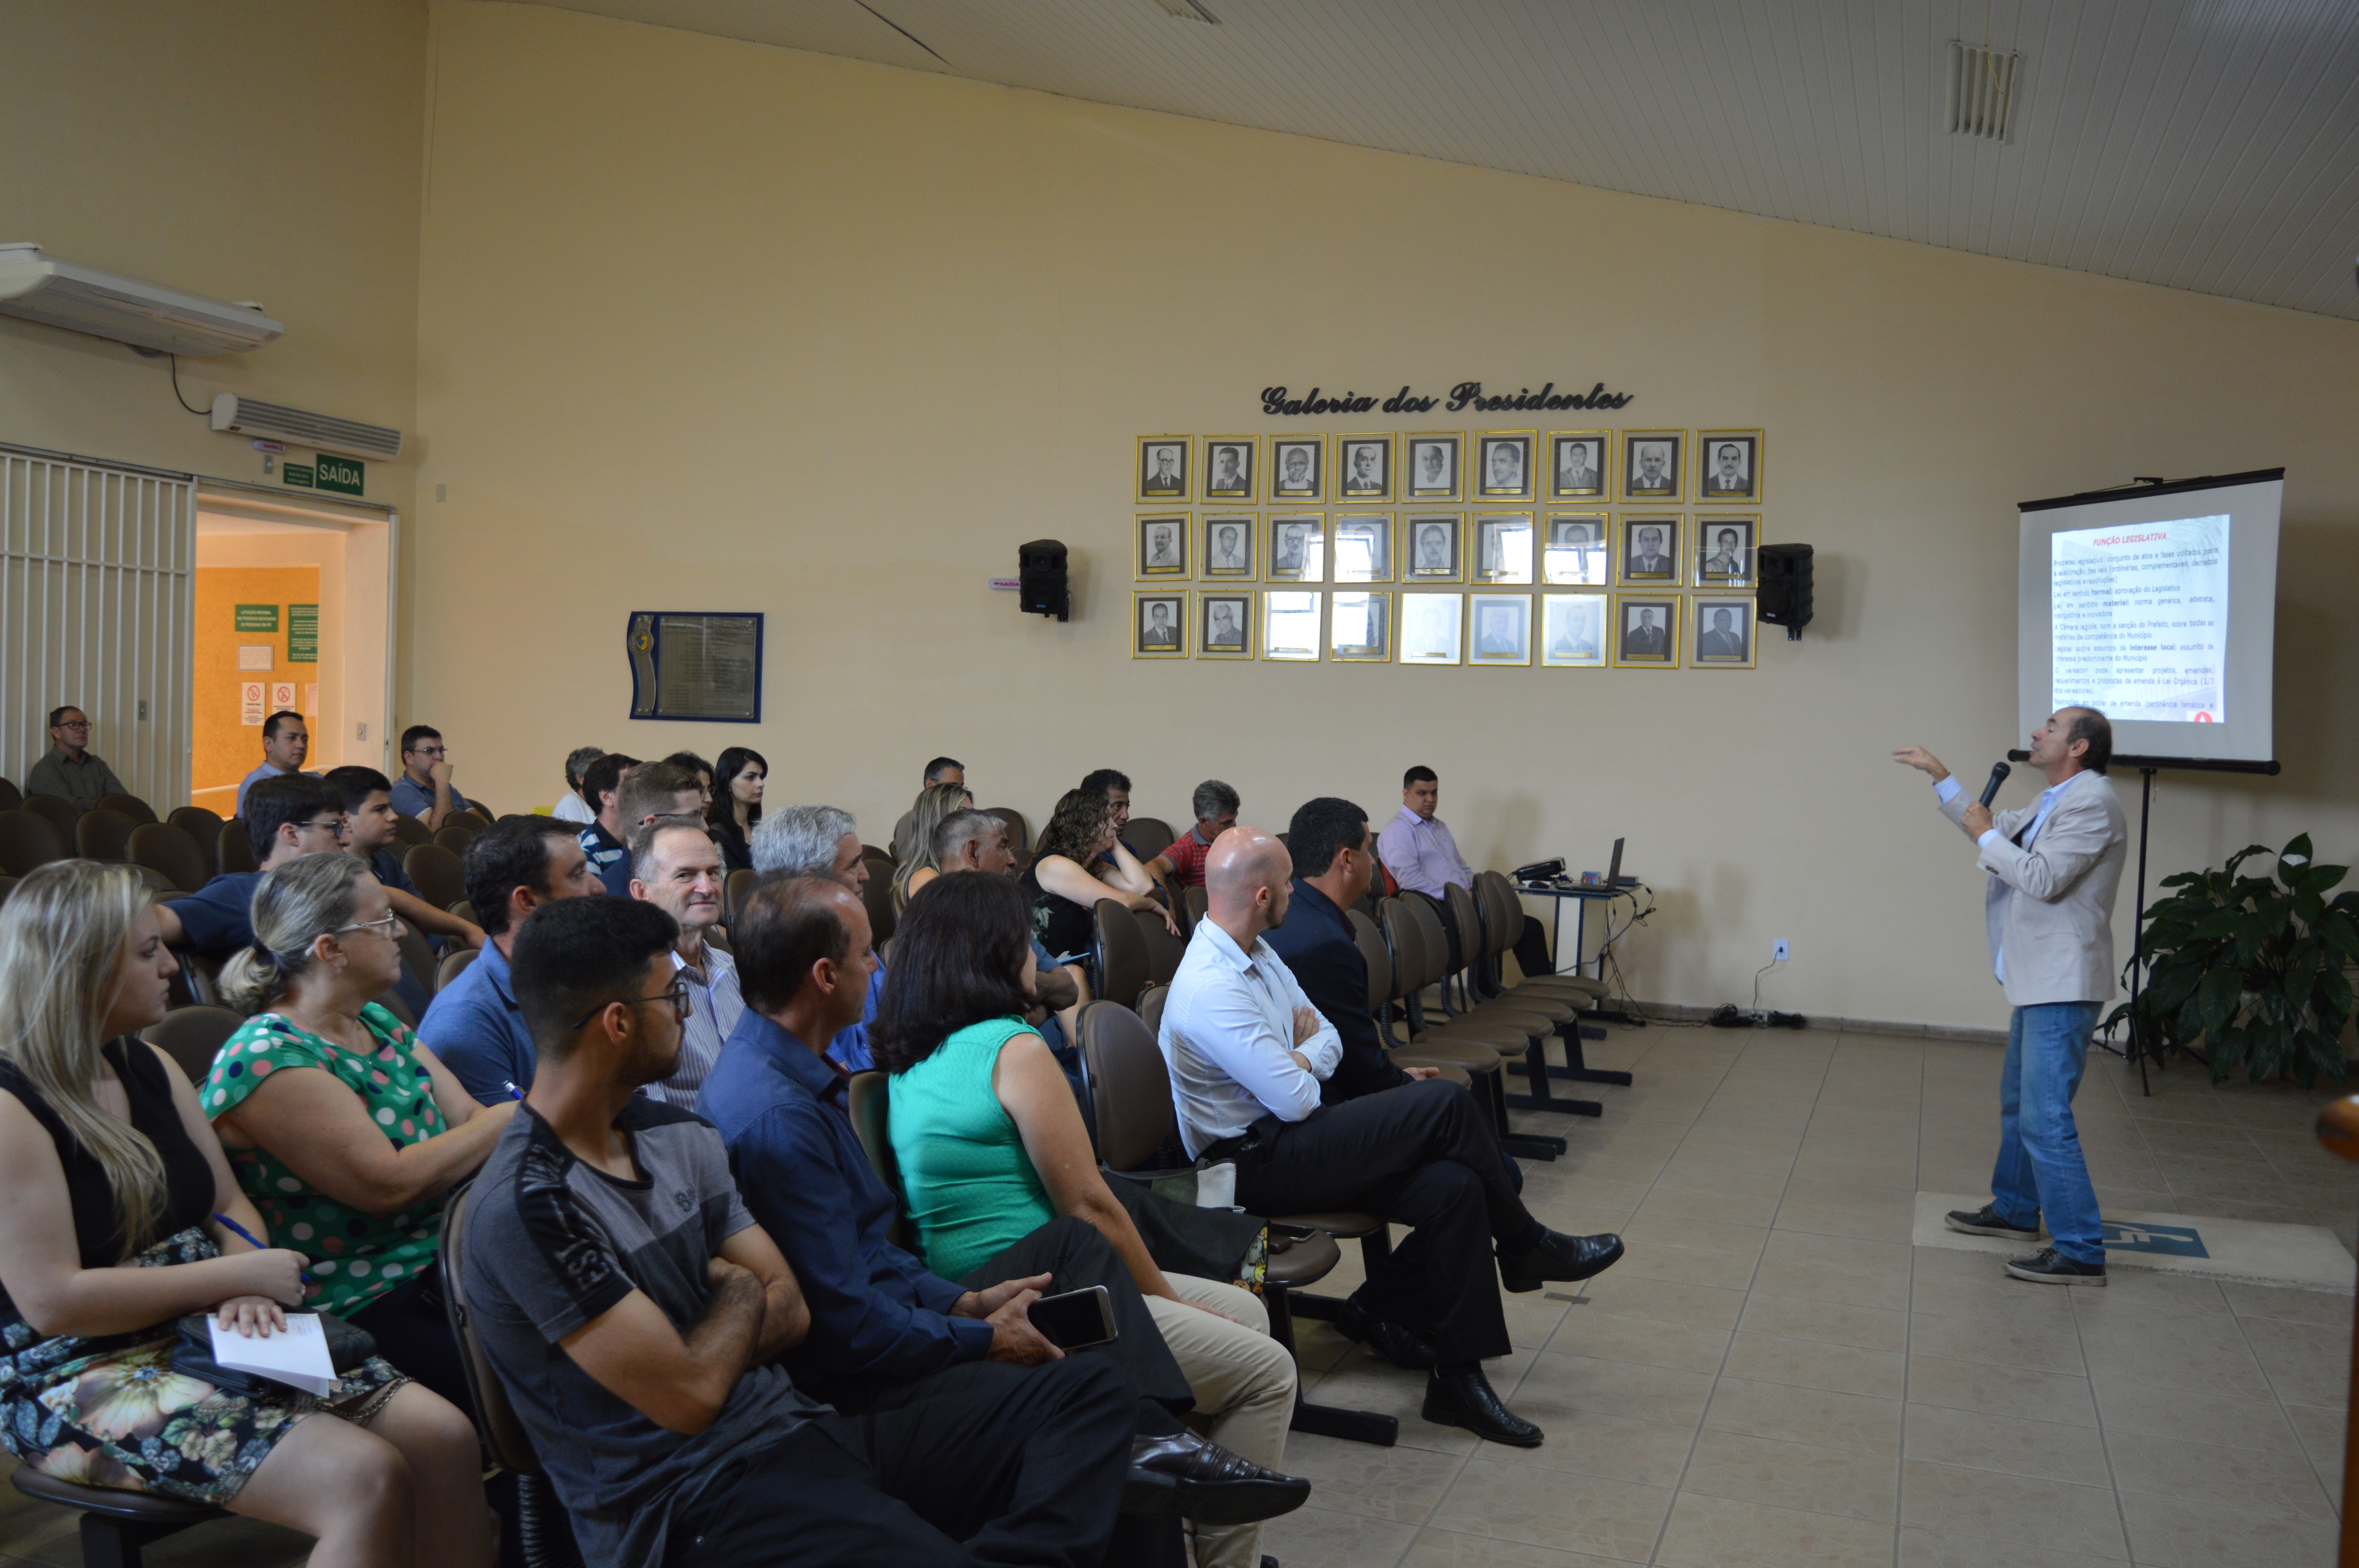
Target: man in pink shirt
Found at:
1416, 848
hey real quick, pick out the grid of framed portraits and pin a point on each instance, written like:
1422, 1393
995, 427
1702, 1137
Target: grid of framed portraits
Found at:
1424, 547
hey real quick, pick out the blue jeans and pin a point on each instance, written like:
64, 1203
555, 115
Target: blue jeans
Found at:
2039, 1167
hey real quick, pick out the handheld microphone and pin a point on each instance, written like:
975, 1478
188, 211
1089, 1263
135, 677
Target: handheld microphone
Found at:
1998, 776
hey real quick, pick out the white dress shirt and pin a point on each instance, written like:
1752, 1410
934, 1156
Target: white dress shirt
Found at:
716, 1007
1947, 790
1228, 1041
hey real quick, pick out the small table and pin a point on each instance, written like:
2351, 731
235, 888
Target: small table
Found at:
1576, 1068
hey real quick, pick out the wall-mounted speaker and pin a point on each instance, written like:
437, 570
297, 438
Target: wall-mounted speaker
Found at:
1040, 572
1785, 595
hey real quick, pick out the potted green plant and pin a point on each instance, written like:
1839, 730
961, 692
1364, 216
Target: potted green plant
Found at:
2251, 971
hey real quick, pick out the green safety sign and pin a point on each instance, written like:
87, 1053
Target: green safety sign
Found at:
298, 474
258, 618
341, 475
302, 634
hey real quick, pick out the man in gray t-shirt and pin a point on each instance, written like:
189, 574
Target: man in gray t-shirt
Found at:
633, 1311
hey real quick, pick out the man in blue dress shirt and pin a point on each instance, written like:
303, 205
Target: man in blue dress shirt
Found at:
424, 790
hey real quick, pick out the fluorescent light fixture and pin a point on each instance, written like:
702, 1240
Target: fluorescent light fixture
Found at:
144, 315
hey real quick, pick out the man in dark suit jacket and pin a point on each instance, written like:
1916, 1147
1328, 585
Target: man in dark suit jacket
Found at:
1159, 631
1724, 641
1725, 480
1644, 640
1165, 479
1648, 558
1576, 472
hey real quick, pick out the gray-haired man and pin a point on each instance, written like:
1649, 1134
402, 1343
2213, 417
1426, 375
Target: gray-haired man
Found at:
822, 841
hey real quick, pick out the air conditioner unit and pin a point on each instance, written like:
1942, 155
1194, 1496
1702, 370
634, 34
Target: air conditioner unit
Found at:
144, 315
324, 432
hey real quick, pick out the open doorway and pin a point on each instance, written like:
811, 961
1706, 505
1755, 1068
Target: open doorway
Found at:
293, 609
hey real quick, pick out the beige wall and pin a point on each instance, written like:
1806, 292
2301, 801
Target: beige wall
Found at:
246, 149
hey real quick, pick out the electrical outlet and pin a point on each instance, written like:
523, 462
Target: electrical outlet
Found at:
142, 710
360, 731
1777, 954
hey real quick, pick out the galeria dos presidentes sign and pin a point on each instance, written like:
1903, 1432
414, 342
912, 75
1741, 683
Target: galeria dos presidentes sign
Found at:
1280, 400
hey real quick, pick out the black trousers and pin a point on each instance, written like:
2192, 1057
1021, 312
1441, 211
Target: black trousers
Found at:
980, 1463
1422, 1155
1531, 942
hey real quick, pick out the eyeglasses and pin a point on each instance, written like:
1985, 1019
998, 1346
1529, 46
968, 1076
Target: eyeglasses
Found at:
74, 724
389, 926
327, 825
678, 995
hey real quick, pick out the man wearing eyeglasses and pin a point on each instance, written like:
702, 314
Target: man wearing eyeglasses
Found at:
424, 790
292, 814
71, 770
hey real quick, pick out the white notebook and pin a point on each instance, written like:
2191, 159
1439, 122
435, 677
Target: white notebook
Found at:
296, 1355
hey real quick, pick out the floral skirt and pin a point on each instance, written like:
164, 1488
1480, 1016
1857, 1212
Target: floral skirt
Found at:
113, 1411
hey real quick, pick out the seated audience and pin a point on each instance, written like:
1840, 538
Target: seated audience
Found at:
1065, 891
649, 791
992, 1148
634, 1312
369, 835
689, 763
71, 769
575, 806
675, 867
601, 784
940, 771
285, 816
737, 805
1183, 865
285, 743
424, 790
513, 868
123, 1216
1248, 1054
1423, 858
822, 841
977, 841
342, 1126
914, 869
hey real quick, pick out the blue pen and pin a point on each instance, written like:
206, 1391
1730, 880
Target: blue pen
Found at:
235, 1228
514, 1092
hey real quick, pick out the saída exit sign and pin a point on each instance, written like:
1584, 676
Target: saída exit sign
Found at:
342, 475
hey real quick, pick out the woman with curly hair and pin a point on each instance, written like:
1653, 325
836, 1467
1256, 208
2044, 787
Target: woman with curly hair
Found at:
123, 1217
1064, 891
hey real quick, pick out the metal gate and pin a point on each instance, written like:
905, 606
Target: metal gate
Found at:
96, 604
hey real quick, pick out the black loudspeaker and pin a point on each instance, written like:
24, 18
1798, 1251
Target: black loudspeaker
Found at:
1040, 570
1784, 598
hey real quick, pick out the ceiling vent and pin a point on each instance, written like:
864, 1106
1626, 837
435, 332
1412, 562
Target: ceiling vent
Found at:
144, 315
323, 432
1982, 90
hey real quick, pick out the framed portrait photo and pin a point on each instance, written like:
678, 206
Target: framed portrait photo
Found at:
1429, 548
1499, 629
1728, 467
1653, 464
1163, 468
1162, 546
1577, 464
1364, 467
1432, 464
1298, 467
1229, 465
1228, 545
1650, 550
1363, 546
1646, 630
1574, 550
1503, 464
1360, 627
1224, 625
1503, 547
1724, 550
1297, 547
1429, 628
1723, 631
1573, 631
1289, 625
1159, 624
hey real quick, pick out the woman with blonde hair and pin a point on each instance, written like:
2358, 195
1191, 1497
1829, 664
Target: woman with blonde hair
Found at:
340, 1123
936, 803
121, 1216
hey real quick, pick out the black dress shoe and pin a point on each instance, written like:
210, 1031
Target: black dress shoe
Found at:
1558, 1257
1467, 1400
1203, 1481
1401, 1345
1986, 1221
2052, 1267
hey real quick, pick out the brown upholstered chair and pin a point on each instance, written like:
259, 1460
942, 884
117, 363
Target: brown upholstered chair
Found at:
1150, 1008
193, 1037
454, 834
1164, 950
877, 898
1419, 949
1197, 901
131, 806
160, 847
1461, 1060
436, 873
27, 839
454, 964
203, 828
734, 892
1019, 832
869, 1101
871, 852
1118, 971
102, 834
1497, 896
11, 797
233, 851
1147, 837
411, 831
464, 911
61, 814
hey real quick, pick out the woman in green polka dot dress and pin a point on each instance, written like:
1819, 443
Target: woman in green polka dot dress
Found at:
341, 1125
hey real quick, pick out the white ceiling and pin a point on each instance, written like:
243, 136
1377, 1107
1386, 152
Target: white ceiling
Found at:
2206, 145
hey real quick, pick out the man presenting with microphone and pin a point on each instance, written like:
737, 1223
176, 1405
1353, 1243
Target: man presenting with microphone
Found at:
2054, 868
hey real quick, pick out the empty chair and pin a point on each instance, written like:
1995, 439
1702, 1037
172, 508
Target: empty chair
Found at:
1120, 970
1504, 912
11, 797
871, 852
454, 964
27, 839
1462, 1061
233, 851
436, 873
203, 827
131, 806
160, 847
1147, 837
1164, 950
456, 834
1019, 832
411, 831
1150, 1008
1197, 900
101, 834
193, 1036
60, 813
465, 911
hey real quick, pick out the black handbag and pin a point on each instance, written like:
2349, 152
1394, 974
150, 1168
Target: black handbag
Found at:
192, 1356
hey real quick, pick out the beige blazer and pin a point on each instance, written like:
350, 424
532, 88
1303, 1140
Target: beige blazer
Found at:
2049, 908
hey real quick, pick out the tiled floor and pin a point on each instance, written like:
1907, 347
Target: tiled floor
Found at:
1774, 1376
